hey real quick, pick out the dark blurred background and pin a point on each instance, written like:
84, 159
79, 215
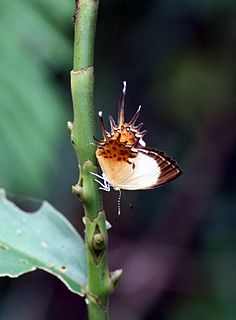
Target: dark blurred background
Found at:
178, 246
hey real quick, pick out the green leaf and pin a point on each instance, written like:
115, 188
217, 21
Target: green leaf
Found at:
45, 240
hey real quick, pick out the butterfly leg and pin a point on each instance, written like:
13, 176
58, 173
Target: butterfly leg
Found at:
105, 185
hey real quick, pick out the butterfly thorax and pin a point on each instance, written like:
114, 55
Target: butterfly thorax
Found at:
126, 134
116, 151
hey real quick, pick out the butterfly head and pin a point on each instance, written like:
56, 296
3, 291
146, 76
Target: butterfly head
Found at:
125, 132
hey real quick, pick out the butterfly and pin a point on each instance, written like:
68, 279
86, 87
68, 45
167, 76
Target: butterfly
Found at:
125, 160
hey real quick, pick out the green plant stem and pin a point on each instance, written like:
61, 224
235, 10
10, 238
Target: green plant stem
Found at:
100, 283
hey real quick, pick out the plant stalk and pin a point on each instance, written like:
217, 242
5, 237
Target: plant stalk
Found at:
100, 282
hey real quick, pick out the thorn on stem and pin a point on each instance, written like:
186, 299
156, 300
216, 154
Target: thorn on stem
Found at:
115, 277
78, 191
70, 126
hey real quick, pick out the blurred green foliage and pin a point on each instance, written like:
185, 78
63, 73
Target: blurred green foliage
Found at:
201, 89
34, 44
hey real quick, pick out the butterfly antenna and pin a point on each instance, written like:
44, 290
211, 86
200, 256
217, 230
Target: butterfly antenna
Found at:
127, 200
135, 117
104, 132
118, 202
121, 106
112, 122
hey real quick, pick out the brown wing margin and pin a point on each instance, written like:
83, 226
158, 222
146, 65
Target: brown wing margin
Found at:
170, 169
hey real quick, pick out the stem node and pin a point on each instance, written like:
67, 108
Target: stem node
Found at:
99, 242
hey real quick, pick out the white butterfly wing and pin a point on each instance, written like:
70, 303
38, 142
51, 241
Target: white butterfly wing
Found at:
116, 172
149, 169
144, 175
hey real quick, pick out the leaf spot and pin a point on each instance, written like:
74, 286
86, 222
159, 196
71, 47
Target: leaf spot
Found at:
63, 268
3, 246
19, 231
44, 244
23, 261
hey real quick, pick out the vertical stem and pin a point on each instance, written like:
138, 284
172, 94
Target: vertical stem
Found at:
85, 27
100, 283
82, 79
